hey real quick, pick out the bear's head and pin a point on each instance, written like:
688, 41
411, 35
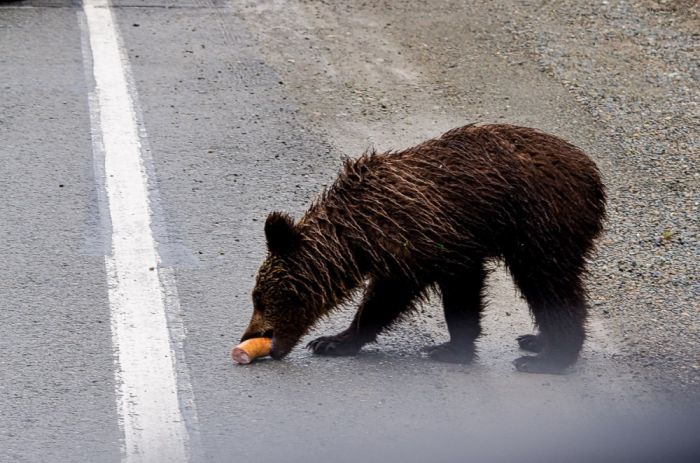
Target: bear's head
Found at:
282, 308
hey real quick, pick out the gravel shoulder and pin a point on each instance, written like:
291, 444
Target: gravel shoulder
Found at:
615, 77
634, 67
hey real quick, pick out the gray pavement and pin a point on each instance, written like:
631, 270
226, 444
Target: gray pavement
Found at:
56, 363
247, 107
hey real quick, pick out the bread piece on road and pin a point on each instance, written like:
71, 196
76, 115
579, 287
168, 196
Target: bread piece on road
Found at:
249, 350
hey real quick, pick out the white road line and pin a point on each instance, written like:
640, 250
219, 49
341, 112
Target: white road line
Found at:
147, 393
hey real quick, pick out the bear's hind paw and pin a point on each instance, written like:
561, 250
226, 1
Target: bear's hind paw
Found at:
449, 353
530, 342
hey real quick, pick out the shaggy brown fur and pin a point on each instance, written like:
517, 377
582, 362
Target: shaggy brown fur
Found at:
431, 216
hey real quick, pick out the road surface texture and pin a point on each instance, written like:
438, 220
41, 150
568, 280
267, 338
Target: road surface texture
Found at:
244, 107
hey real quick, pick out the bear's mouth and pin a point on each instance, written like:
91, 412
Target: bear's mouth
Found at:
270, 334
281, 346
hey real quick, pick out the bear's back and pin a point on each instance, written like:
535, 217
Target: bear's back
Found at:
472, 191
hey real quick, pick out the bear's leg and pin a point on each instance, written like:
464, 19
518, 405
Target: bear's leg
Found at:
462, 300
558, 303
383, 303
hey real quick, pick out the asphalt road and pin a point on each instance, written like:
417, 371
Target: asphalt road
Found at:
244, 108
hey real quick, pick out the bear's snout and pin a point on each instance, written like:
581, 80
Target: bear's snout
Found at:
257, 328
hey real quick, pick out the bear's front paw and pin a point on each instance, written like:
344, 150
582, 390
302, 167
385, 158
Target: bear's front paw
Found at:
450, 353
332, 345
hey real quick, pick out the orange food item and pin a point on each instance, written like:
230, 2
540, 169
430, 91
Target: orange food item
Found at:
249, 350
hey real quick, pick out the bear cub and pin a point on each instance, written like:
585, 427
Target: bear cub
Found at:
399, 224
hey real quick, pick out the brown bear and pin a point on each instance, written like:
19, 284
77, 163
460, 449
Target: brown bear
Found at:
402, 223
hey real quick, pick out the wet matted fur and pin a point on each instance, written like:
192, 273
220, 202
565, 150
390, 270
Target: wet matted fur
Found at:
430, 216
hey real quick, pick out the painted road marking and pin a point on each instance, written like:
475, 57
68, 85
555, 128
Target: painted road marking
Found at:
147, 394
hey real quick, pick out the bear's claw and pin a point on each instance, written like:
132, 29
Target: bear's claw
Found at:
332, 345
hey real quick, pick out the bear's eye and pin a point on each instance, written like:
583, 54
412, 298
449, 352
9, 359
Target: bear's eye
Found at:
257, 300
260, 308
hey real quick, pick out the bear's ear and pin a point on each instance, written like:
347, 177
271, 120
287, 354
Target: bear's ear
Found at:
280, 232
